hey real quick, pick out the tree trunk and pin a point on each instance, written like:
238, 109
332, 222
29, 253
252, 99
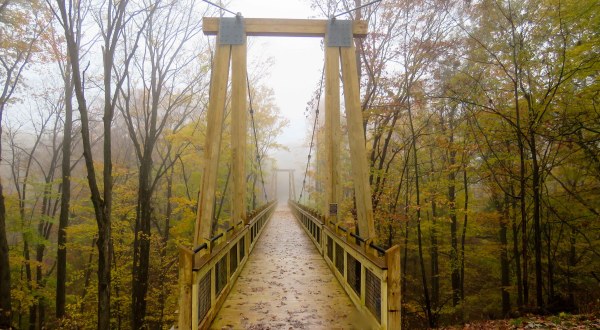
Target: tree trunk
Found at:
464, 236
435, 271
454, 264
141, 243
428, 310
517, 255
550, 294
5, 296
504, 264
537, 231
102, 202
65, 199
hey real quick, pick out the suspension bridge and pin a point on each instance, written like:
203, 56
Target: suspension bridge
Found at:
286, 266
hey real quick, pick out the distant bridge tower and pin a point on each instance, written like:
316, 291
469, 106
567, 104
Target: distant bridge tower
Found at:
291, 186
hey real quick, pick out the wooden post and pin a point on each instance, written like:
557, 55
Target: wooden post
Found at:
239, 92
290, 185
214, 129
186, 262
392, 258
332, 131
274, 183
356, 137
293, 185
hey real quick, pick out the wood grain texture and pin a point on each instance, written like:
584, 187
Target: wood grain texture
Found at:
186, 260
212, 149
239, 96
286, 284
332, 130
270, 27
356, 137
392, 256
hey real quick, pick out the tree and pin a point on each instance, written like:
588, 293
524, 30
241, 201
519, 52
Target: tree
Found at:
20, 30
164, 102
63, 62
112, 24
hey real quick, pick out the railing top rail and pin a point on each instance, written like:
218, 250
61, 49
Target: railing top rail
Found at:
236, 235
375, 260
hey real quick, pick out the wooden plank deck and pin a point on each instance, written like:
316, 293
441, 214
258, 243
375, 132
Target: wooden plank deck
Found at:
286, 284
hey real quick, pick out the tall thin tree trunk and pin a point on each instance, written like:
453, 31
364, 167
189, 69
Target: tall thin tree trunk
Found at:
65, 198
516, 253
521, 147
428, 309
454, 263
537, 230
141, 243
5, 296
464, 235
550, 273
435, 272
504, 264
102, 202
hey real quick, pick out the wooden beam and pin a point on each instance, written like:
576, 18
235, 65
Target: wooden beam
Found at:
239, 95
186, 262
392, 259
332, 130
270, 27
356, 137
212, 149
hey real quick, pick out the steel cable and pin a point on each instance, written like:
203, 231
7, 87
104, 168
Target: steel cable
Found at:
312, 138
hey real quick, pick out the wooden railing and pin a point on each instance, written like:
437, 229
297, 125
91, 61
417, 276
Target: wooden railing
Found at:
369, 274
208, 272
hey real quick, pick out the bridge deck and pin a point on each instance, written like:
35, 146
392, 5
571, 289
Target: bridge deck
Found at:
286, 284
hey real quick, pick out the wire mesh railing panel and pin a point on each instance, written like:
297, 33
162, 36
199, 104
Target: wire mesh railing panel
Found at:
220, 275
242, 248
360, 270
204, 296
330, 248
339, 258
233, 259
373, 294
353, 273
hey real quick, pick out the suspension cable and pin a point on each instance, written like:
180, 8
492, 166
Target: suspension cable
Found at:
354, 9
221, 7
258, 158
312, 138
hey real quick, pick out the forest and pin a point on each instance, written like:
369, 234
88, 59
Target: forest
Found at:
482, 125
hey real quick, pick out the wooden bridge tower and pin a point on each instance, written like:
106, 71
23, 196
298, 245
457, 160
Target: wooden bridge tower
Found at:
231, 51
339, 52
291, 182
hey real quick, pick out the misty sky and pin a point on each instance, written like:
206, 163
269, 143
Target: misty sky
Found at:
294, 76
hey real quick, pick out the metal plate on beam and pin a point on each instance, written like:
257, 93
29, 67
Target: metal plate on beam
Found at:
232, 31
339, 33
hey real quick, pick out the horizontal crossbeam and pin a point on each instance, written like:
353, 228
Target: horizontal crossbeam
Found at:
269, 27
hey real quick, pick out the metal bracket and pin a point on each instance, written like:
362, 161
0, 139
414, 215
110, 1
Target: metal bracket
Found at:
339, 33
333, 209
232, 31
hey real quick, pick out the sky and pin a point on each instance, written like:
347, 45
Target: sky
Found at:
295, 73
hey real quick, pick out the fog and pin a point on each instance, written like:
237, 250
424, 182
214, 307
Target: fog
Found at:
294, 75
